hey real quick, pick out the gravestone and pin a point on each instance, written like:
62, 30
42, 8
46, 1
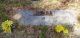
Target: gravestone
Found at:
27, 17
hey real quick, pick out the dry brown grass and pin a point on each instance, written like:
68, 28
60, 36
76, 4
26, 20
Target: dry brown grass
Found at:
52, 4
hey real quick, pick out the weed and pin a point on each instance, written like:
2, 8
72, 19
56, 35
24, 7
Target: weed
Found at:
6, 26
43, 31
42, 35
61, 28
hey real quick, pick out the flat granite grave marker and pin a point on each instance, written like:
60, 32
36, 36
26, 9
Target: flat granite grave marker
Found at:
27, 17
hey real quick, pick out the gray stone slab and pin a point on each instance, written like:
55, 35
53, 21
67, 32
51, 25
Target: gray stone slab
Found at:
58, 17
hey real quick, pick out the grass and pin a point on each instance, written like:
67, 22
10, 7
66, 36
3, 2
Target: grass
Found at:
43, 31
42, 35
3, 12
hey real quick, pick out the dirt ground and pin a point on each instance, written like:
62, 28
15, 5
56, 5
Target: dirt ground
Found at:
35, 32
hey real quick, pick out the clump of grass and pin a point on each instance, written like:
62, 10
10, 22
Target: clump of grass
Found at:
42, 35
3, 15
17, 3
43, 31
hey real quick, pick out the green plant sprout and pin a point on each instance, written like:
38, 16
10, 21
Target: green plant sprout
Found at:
42, 35
43, 31
6, 26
